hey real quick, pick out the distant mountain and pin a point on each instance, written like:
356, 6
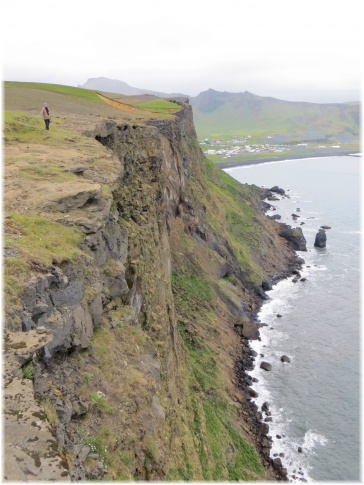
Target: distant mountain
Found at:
226, 114
120, 87
222, 113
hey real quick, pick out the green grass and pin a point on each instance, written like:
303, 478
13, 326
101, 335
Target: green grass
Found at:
27, 371
234, 217
45, 240
223, 454
160, 106
39, 171
16, 271
193, 286
57, 88
26, 128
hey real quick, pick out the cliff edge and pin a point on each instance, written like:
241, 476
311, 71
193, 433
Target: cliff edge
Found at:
133, 272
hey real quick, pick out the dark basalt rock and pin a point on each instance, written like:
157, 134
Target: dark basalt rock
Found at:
266, 285
294, 236
277, 190
266, 366
320, 240
265, 406
247, 328
285, 358
253, 393
260, 292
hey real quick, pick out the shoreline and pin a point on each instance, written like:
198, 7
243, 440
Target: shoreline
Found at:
258, 418
259, 161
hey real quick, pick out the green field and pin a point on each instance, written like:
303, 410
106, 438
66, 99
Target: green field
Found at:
57, 88
221, 115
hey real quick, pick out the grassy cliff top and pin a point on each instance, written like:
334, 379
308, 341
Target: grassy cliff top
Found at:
30, 97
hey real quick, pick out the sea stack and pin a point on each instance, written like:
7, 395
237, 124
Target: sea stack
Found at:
320, 240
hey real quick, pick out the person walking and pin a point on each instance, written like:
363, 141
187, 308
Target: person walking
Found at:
46, 115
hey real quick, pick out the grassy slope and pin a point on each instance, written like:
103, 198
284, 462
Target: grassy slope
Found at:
209, 425
56, 88
224, 114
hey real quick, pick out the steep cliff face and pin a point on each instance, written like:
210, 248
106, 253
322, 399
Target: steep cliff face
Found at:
145, 310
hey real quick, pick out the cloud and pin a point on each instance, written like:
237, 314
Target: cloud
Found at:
265, 47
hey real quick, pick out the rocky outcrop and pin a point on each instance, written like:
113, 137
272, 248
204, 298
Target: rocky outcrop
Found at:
278, 190
30, 444
294, 236
320, 239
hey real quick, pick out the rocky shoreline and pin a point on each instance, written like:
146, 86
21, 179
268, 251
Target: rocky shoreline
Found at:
256, 418
225, 165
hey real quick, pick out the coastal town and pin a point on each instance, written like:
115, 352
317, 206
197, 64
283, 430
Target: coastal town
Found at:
243, 145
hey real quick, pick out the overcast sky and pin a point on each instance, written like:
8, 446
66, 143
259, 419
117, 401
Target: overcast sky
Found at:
300, 50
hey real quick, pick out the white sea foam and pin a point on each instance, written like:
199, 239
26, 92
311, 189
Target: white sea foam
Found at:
312, 439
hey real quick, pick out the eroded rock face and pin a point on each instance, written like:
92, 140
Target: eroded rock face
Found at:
30, 446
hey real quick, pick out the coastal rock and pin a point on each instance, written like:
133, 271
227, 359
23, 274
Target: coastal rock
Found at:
261, 293
248, 328
320, 240
294, 236
253, 393
266, 285
285, 358
283, 472
266, 366
265, 406
277, 190
325, 227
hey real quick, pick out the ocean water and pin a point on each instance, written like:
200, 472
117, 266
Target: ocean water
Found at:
315, 399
